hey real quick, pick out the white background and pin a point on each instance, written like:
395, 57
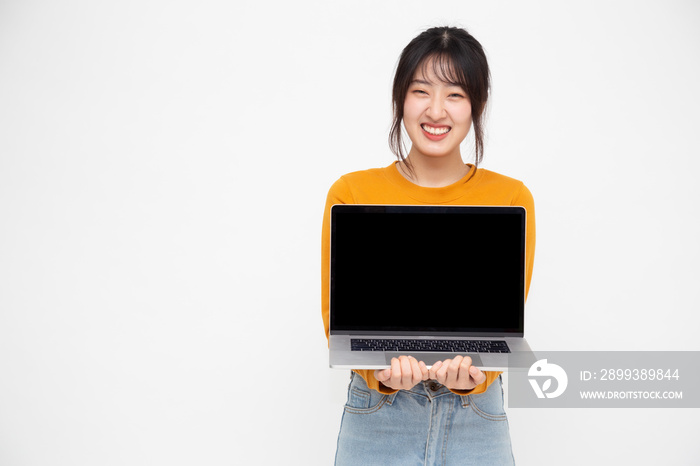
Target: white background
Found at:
163, 171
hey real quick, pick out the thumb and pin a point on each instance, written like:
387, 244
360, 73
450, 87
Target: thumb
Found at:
477, 375
382, 374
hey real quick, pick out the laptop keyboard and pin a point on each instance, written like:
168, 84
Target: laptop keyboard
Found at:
450, 346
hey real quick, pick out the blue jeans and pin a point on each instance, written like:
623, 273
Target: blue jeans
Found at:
427, 425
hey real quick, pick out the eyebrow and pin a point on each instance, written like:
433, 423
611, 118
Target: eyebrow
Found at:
428, 83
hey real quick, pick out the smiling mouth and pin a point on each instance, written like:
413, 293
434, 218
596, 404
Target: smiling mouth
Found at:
436, 131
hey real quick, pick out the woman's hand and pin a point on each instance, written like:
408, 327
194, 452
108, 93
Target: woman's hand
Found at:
404, 374
457, 373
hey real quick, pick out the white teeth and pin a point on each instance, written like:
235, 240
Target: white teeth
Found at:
435, 131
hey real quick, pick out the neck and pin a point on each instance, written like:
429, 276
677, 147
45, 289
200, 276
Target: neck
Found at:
433, 172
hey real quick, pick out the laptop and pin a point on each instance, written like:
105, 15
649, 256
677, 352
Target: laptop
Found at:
427, 281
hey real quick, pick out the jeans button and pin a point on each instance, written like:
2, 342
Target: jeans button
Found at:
433, 386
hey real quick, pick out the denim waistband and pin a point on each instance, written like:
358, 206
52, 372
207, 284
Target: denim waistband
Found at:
431, 388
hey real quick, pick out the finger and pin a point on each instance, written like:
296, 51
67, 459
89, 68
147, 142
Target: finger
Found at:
453, 372
432, 373
382, 375
424, 373
395, 372
441, 374
463, 378
405, 370
416, 373
477, 375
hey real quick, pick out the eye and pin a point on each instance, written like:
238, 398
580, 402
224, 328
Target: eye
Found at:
456, 95
420, 91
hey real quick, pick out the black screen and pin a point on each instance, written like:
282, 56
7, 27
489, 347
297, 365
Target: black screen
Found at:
424, 268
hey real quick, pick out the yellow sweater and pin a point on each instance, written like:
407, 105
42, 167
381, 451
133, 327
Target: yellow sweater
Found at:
388, 186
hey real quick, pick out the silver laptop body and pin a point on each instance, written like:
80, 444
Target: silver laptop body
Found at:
427, 281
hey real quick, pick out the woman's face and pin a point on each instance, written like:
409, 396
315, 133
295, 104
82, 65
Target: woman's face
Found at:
437, 115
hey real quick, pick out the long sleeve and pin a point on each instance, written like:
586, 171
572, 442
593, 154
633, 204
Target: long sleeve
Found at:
524, 198
387, 186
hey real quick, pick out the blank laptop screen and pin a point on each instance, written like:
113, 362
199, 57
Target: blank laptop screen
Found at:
427, 269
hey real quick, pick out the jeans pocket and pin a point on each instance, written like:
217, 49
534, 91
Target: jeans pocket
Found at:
358, 399
489, 405
361, 399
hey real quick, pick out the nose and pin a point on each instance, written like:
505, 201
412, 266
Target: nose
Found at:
436, 111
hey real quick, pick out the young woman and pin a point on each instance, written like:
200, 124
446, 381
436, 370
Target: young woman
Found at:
452, 413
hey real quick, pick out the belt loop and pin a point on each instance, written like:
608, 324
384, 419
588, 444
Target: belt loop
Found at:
390, 398
465, 400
